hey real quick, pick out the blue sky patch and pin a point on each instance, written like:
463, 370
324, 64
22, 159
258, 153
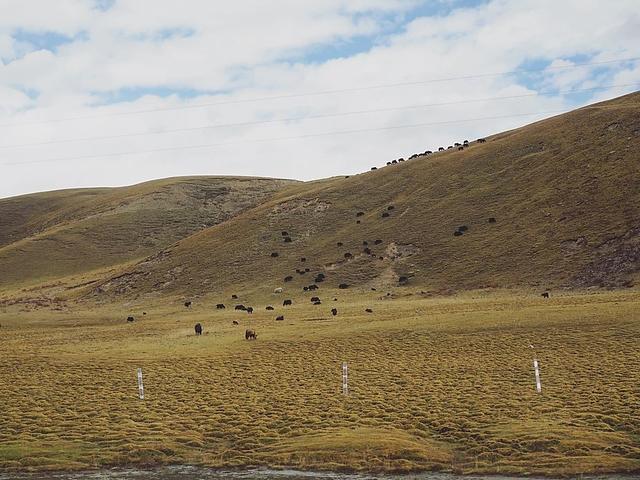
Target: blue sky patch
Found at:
45, 40
129, 94
103, 5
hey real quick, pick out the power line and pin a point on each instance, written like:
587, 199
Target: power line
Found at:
324, 92
309, 117
265, 140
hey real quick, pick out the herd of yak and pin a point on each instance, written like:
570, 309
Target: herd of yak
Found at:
459, 146
320, 277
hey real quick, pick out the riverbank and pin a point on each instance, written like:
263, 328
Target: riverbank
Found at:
183, 472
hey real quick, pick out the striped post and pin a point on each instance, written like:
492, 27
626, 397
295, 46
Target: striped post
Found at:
536, 368
140, 384
345, 379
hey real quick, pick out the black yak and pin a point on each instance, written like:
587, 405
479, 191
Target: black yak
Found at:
250, 335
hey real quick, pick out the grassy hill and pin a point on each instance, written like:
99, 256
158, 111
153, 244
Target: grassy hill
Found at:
436, 382
47, 236
564, 193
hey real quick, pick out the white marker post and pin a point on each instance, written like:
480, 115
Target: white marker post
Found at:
140, 384
345, 379
536, 368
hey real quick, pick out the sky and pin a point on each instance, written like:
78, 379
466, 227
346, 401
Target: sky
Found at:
116, 92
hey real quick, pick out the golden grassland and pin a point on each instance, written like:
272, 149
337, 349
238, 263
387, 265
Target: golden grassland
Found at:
50, 235
440, 383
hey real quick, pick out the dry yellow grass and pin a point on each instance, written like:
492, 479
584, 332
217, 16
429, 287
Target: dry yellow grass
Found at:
50, 235
564, 193
441, 383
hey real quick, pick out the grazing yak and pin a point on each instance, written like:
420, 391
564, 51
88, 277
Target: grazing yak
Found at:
240, 307
274, 254
378, 242
234, 296
460, 148
198, 329
359, 214
317, 303
342, 286
250, 335
315, 299
334, 311
287, 240
303, 259
368, 310
220, 306
286, 303
545, 295
492, 219
280, 318
339, 244
288, 278
187, 304
367, 250
312, 287
269, 307
348, 255
319, 279
249, 309
403, 280
374, 168
385, 214
457, 233
144, 313
481, 140
441, 149
284, 234
235, 322
130, 319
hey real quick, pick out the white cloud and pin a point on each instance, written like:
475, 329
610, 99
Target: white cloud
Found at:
242, 48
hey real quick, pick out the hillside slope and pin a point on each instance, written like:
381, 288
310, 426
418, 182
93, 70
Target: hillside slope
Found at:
50, 235
564, 193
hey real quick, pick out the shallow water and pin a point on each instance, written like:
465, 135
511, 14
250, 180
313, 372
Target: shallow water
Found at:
197, 473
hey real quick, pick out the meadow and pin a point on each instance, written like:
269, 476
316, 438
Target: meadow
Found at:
441, 383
